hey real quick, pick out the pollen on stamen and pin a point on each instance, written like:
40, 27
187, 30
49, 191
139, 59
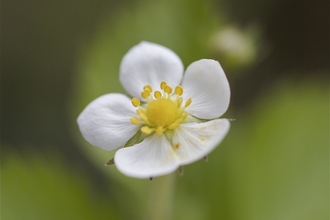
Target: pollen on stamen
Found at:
135, 102
146, 130
147, 87
178, 90
188, 102
162, 85
168, 89
163, 110
135, 120
157, 94
145, 94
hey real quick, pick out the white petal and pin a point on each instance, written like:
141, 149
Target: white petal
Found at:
193, 141
154, 156
206, 84
105, 122
149, 63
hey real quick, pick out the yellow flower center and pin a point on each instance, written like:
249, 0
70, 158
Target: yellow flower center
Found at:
163, 110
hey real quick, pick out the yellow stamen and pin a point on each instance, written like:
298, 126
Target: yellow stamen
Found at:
188, 102
147, 87
184, 116
146, 130
142, 115
178, 90
162, 112
135, 120
157, 94
145, 94
162, 85
135, 102
175, 124
168, 89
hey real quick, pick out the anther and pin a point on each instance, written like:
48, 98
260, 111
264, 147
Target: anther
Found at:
162, 85
146, 130
162, 112
135, 120
157, 94
135, 102
178, 90
168, 89
188, 102
145, 94
147, 87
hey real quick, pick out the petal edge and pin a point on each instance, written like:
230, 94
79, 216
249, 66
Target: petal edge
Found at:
149, 63
206, 84
105, 122
154, 156
195, 140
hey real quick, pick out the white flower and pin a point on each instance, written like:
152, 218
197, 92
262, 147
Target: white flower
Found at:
163, 127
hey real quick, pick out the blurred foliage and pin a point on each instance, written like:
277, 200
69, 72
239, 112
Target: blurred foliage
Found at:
39, 188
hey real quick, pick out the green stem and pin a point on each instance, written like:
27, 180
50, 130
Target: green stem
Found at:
161, 198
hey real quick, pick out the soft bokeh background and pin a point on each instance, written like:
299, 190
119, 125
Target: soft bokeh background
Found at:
57, 56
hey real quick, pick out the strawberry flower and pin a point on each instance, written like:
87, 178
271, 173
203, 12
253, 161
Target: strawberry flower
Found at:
173, 118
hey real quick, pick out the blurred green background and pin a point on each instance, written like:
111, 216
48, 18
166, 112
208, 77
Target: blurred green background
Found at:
57, 56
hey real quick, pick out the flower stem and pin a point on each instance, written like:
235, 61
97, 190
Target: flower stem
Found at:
161, 198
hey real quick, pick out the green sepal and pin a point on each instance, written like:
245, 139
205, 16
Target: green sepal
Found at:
110, 162
136, 139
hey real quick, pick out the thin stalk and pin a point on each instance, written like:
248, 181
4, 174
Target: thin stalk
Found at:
161, 198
